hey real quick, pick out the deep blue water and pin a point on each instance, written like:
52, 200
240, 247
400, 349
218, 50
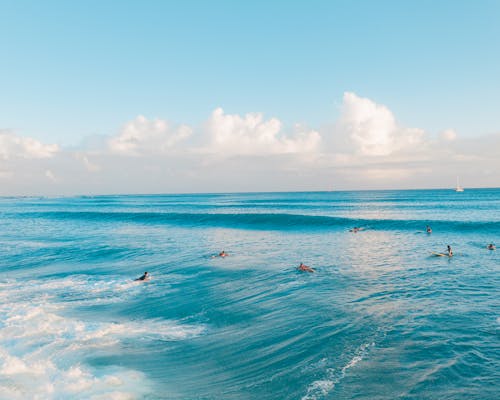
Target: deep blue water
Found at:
381, 318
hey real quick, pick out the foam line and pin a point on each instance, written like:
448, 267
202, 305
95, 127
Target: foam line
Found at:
320, 388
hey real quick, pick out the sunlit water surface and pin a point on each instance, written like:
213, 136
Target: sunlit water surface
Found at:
381, 318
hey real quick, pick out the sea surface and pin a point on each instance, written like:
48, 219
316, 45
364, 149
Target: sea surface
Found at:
380, 318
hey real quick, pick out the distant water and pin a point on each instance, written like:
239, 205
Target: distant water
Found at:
380, 318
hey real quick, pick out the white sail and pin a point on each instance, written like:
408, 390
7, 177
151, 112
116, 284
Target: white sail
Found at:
459, 188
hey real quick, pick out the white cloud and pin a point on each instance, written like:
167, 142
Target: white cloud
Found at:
449, 135
50, 175
373, 128
252, 135
12, 146
143, 136
366, 148
89, 165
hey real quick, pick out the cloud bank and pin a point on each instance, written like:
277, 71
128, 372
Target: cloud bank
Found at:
142, 137
365, 148
12, 146
252, 135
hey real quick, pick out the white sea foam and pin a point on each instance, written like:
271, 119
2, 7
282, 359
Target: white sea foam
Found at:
321, 387
80, 289
47, 381
42, 349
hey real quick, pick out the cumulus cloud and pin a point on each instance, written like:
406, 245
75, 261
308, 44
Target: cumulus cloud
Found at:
143, 136
365, 148
448, 135
252, 135
373, 128
12, 146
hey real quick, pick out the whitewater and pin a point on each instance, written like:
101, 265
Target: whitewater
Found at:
380, 318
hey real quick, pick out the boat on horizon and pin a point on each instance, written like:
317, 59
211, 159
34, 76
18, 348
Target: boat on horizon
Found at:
459, 188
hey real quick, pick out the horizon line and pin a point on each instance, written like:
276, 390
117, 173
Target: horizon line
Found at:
239, 192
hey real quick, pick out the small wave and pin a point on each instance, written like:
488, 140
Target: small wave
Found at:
267, 221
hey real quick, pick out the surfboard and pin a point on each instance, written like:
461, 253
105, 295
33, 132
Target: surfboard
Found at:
439, 254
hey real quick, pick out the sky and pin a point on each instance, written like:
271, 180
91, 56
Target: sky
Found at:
102, 97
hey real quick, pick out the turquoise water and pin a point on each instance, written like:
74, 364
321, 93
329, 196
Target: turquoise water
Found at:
381, 318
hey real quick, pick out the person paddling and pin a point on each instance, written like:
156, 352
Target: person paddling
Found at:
448, 250
305, 268
144, 277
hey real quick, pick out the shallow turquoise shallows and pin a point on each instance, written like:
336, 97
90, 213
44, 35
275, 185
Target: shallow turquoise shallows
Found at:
380, 318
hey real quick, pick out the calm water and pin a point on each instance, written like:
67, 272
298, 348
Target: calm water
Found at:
381, 318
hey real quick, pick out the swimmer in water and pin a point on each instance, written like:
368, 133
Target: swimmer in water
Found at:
491, 246
305, 268
223, 254
428, 229
355, 229
448, 250
144, 277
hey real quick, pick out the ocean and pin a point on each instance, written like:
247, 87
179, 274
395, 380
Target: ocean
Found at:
380, 318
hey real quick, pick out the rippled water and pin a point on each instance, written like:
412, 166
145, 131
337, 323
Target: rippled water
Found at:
381, 318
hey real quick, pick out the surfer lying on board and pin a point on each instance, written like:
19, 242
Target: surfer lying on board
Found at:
356, 229
221, 254
144, 277
449, 252
305, 268
491, 246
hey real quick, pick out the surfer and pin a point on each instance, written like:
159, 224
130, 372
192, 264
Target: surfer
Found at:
355, 229
491, 246
305, 268
144, 277
221, 254
428, 229
448, 250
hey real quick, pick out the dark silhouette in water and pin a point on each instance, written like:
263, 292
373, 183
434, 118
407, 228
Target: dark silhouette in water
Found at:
144, 277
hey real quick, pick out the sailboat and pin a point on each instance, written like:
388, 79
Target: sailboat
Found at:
459, 188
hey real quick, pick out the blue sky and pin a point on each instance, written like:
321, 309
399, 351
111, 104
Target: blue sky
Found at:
73, 69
